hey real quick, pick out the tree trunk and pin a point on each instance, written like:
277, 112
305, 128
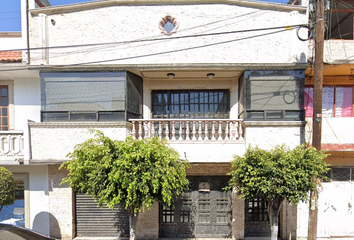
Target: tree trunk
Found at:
273, 207
132, 224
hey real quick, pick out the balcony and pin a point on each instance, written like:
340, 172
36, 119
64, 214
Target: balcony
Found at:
197, 140
11, 147
189, 129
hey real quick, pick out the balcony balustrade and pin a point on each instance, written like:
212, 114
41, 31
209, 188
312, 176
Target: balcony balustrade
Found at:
11, 145
188, 129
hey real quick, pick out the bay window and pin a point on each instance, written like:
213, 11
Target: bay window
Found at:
272, 95
91, 96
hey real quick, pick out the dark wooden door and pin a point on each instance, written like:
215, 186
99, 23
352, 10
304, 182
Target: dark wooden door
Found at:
203, 211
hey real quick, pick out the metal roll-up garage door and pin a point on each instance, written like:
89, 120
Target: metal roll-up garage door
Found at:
92, 221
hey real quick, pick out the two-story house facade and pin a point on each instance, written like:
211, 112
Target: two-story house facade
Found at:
210, 77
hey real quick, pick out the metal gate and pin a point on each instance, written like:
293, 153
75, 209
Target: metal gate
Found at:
256, 218
204, 211
92, 221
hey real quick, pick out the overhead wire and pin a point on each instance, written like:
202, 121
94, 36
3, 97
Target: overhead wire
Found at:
54, 55
174, 50
287, 27
160, 53
340, 35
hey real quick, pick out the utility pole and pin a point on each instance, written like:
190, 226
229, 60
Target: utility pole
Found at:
317, 109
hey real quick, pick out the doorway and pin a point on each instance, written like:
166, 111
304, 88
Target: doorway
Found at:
203, 211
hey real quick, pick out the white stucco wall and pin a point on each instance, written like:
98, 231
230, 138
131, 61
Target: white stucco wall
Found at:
335, 217
27, 102
120, 25
53, 141
209, 151
334, 131
338, 51
268, 135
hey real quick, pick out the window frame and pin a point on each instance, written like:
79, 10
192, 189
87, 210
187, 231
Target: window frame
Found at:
2, 108
189, 103
269, 113
334, 99
330, 174
112, 114
257, 213
10, 105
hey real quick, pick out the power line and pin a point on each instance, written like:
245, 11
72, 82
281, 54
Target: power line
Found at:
172, 51
158, 53
288, 27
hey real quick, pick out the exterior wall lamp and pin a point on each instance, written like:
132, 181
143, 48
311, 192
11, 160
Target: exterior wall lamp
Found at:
211, 75
170, 75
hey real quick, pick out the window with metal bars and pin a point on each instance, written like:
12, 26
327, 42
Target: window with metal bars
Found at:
193, 104
341, 174
4, 107
168, 214
256, 210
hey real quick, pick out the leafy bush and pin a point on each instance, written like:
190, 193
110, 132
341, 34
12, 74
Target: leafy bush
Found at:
7, 188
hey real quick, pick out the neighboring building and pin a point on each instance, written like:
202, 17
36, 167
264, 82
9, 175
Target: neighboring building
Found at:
189, 71
20, 103
335, 214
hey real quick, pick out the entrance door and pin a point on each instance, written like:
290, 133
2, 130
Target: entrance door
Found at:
256, 219
202, 211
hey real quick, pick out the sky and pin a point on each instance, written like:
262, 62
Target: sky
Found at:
10, 12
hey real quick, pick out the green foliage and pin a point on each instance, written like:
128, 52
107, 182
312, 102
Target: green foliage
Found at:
132, 172
278, 173
7, 188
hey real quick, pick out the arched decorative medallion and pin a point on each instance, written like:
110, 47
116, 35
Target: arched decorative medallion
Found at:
168, 25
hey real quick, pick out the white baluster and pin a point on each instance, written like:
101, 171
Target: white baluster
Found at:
234, 130
160, 129
133, 130
200, 131
227, 137
187, 131
194, 131
167, 130
173, 131
146, 128
140, 133
153, 129
206, 133
220, 131
241, 129
213, 131
180, 132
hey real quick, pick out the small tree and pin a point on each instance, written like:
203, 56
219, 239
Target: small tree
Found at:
277, 175
7, 188
132, 173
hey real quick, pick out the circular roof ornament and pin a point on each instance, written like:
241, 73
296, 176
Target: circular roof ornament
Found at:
168, 25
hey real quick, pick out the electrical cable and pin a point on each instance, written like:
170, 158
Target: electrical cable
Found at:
158, 53
289, 27
165, 52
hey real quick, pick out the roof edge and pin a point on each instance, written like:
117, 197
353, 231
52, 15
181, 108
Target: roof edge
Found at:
106, 3
159, 67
